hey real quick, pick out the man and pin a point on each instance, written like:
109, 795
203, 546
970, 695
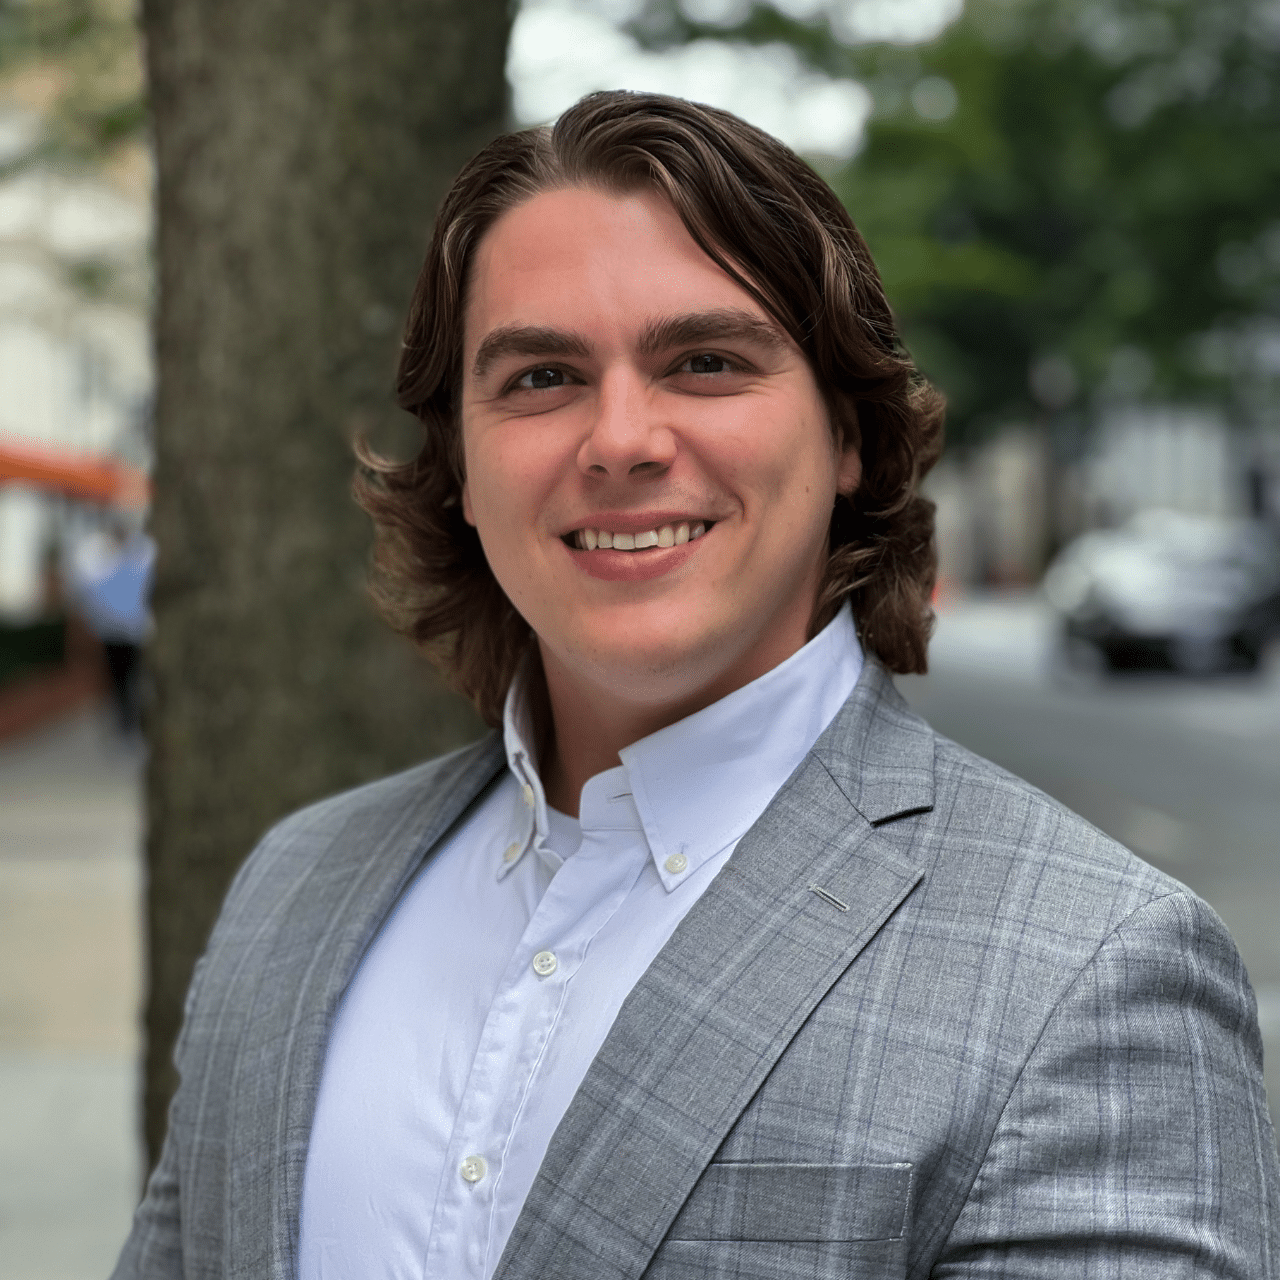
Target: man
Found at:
109, 579
716, 961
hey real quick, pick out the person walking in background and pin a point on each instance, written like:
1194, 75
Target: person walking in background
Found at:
108, 576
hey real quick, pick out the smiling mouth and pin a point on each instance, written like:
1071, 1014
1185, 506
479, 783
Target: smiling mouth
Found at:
667, 535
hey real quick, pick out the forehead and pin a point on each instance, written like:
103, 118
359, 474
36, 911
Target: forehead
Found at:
594, 262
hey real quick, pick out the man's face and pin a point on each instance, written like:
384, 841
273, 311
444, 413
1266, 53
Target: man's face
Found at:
617, 382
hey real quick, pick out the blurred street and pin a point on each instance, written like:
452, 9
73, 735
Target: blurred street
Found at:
70, 961
1185, 772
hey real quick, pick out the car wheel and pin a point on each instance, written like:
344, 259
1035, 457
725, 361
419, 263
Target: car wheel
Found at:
1200, 655
1247, 651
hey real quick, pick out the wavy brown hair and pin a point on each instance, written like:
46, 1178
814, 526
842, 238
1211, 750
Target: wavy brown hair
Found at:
769, 221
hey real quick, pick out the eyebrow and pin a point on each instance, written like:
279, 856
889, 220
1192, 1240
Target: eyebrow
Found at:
526, 340
727, 324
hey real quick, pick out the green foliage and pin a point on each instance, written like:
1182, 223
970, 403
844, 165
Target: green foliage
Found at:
1073, 202
1105, 193
78, 64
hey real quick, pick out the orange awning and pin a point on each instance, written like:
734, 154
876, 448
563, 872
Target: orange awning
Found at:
87, 476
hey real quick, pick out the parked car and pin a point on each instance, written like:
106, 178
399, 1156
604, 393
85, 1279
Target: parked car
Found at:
1169, 591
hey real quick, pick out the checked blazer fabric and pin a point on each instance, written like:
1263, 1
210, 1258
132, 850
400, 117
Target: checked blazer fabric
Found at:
926, 1022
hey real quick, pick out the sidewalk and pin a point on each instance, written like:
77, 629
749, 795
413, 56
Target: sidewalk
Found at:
70, 966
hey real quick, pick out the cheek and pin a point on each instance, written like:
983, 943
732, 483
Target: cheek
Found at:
482, 504
512, 471
797, 468
490, 459
748, 449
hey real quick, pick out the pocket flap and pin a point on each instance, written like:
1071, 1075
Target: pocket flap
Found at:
796, 1202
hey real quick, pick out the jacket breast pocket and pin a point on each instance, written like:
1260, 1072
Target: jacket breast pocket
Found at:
767, 1221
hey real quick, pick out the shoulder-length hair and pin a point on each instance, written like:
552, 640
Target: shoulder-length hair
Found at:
768, 220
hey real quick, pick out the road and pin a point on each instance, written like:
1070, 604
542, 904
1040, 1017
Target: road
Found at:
1186, 773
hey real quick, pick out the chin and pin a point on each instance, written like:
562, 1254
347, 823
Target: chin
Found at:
664, 667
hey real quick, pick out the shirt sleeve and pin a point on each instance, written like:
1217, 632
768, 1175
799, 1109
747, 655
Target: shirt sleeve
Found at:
1136, 1142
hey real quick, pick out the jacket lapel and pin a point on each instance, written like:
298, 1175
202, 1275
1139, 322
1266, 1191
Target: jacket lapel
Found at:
310, 957
705, 1024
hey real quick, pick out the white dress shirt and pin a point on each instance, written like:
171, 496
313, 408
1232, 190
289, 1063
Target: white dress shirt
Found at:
483, 1000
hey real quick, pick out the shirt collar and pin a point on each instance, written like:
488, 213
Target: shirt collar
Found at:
695, 787
529, 824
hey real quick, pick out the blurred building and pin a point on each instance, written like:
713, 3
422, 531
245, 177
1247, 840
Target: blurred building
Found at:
75, 362
1006, 505
994, 511
1177, 458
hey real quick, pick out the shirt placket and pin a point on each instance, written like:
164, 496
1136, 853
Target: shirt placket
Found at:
582, 897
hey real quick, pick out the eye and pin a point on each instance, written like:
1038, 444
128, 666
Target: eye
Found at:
706, 363
541, 379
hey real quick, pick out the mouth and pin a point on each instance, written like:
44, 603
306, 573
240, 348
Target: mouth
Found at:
666, 535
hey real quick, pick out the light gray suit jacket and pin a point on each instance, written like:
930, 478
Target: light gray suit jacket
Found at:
994, 1044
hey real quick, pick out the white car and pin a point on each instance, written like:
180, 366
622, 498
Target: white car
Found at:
1170, 591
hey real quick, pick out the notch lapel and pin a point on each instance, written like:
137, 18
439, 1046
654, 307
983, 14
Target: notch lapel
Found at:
708, 1020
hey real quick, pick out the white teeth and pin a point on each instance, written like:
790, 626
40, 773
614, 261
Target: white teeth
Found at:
665, 536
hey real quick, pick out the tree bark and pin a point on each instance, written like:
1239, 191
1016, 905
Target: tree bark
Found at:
302, 148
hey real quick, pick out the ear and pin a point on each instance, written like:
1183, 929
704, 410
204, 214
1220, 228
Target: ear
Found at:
848, 469
848, 443
467, 514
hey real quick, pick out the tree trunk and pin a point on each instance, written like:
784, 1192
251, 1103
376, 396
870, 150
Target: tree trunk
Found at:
302, 148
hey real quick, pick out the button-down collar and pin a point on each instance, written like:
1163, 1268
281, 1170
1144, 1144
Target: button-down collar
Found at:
530, 825
695, 787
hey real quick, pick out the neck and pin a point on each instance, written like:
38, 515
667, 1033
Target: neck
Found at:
583, 726
589, 729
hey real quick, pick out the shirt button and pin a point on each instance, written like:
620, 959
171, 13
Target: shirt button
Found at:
474, 1168
527, 792
511, 853
545, 963
676, 863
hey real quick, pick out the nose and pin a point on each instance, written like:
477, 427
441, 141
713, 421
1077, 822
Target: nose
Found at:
628, 436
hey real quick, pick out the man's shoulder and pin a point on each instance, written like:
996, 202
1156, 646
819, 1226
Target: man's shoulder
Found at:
345, 832
1023, 860
975, 794
388, 801
993, 847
